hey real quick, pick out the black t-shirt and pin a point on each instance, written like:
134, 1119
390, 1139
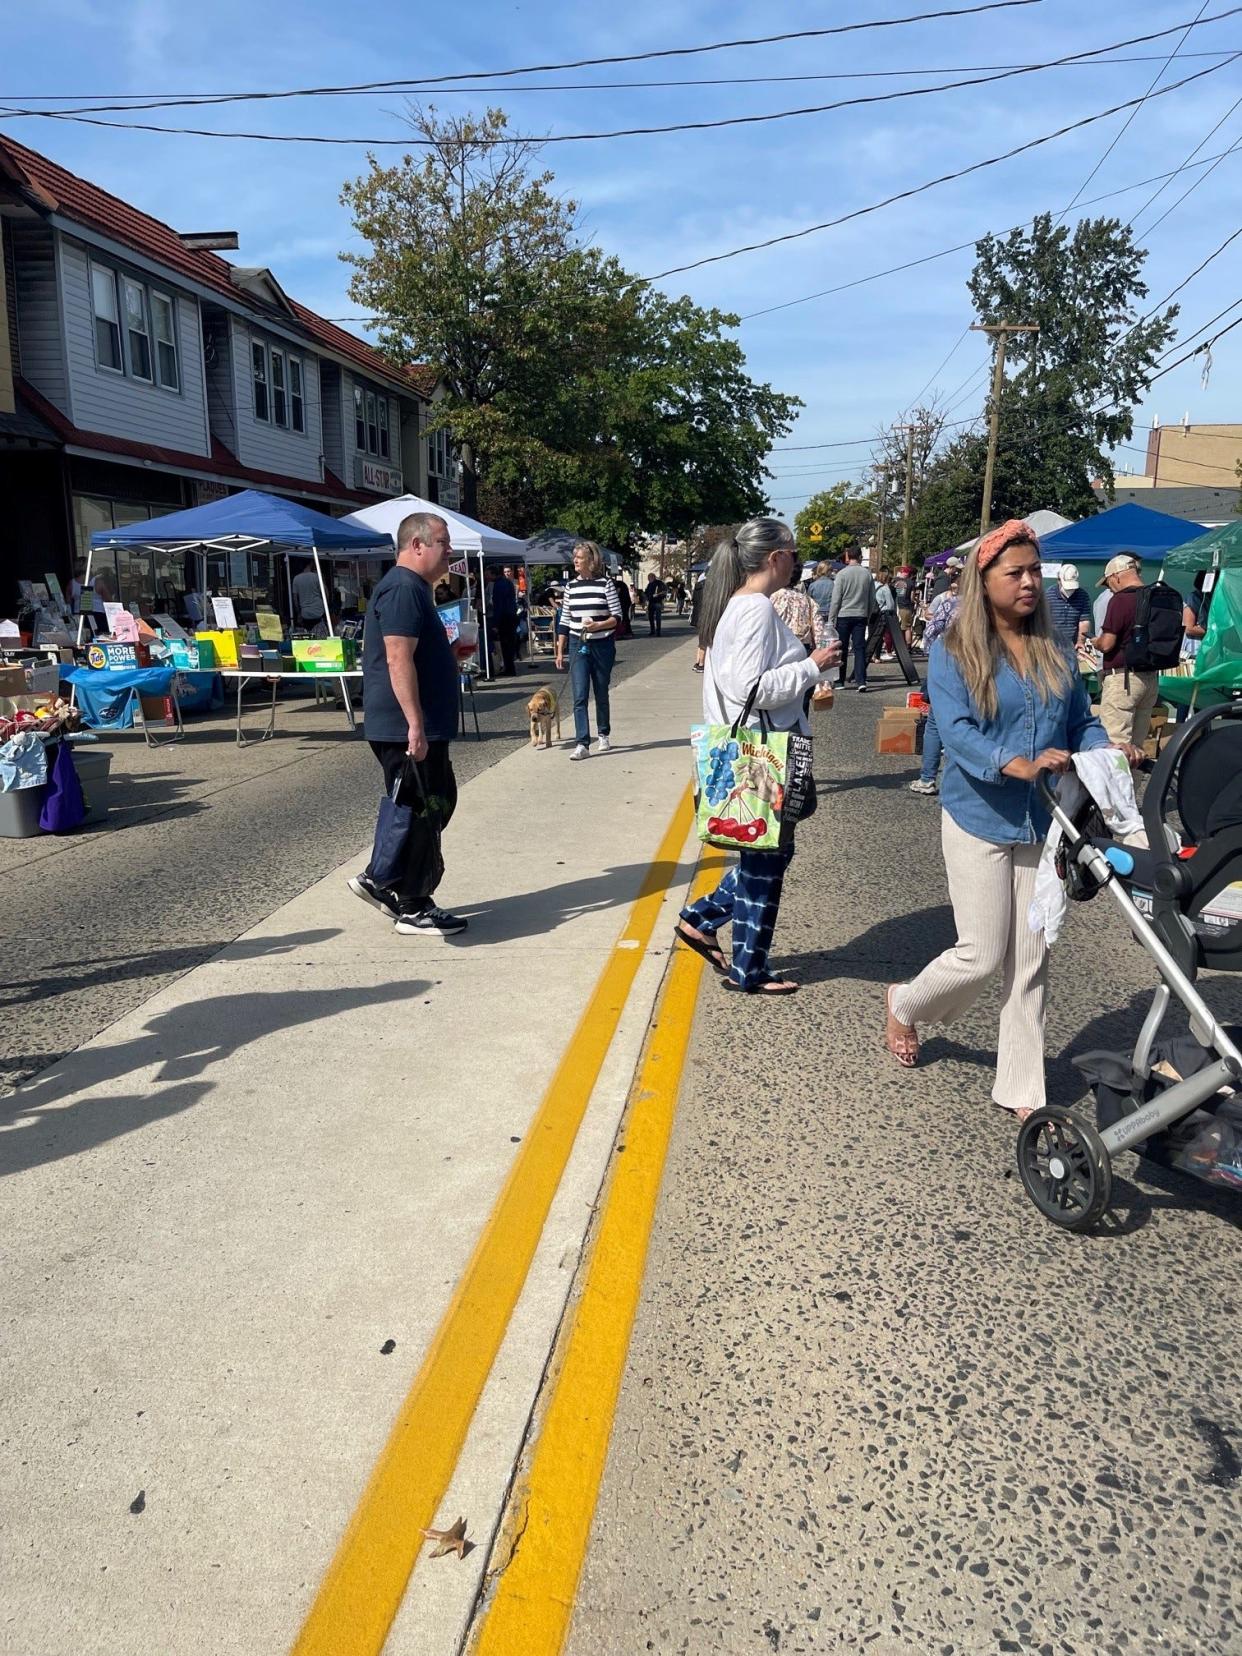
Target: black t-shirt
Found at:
402, 606
903, 591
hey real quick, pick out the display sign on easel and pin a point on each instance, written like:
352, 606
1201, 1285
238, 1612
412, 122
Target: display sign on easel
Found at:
225, 615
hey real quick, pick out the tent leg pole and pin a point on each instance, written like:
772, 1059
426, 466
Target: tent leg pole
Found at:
327, 608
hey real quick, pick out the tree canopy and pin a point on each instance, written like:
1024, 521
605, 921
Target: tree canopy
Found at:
576, 394
1070, 389
845, 514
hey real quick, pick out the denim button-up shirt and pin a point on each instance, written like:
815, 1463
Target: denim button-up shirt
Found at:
979, 799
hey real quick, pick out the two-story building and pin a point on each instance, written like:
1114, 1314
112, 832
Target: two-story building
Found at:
141, 372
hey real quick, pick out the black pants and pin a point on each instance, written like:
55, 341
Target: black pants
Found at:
852, 631
655, 611
506, 626
407, 855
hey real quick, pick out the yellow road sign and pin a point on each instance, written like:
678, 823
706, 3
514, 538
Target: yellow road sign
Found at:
817, 530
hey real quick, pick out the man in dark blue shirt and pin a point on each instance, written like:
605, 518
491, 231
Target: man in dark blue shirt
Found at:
504, 604
410, 691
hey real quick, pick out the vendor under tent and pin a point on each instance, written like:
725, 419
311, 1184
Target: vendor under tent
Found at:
556, 546
241, 524
1217, 673
467, 536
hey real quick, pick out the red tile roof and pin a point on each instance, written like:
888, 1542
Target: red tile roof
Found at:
221, 462
60, 191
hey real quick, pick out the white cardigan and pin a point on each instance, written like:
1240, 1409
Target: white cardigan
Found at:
752, 642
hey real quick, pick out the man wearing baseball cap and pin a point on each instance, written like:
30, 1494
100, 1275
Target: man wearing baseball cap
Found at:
1127, 694
1069, 607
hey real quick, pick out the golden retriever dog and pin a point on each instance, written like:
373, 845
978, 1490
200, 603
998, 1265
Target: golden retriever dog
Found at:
544, 710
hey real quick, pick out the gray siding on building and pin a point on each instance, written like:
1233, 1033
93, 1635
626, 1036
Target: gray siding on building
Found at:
116, 403
38, 311
353, 455
265, 445
331, 394
221, 390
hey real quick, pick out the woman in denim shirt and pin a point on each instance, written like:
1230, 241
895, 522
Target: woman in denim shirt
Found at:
1009, 704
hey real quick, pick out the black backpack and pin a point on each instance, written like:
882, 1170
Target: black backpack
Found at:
1155, 644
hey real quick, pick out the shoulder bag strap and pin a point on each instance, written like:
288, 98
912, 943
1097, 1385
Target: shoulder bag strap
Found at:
744, 715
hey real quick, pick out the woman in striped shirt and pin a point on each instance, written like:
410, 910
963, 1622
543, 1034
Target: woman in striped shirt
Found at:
590, 615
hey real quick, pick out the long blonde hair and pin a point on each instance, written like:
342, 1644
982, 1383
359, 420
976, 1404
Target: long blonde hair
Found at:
974, 643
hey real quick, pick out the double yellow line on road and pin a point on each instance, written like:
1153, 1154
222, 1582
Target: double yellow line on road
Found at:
362, 1590
533, 1600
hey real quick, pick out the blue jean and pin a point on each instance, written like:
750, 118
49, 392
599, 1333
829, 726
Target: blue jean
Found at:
933, 747
852, 631
749, 897
590, 666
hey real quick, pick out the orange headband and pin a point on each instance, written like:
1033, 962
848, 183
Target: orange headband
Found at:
1014, 533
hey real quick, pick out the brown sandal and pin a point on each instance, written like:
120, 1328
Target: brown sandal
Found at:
904, 1045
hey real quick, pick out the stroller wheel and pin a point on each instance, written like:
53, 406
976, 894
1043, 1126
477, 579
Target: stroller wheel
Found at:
1065, 1168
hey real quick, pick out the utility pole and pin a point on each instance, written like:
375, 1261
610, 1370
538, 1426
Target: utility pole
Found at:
1000, 331
911, 431
879, 538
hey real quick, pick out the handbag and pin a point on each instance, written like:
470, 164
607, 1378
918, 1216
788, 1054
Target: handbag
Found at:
752, 783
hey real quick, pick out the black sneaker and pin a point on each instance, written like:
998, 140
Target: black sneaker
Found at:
362, 885
431, 921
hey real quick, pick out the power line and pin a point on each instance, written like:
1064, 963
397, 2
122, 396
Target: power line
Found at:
1134, 218
928, 258
944, 252
1126, 123
1155, 225
138, 101
920, 189
87, 118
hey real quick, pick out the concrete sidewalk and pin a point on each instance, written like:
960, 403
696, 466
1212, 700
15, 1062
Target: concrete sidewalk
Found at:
219, 1210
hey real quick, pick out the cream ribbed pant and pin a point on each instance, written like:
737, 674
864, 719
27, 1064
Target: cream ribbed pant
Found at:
990, 887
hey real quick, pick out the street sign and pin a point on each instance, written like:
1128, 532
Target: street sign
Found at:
817, 530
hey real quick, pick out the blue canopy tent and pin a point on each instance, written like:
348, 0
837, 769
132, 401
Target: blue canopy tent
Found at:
1149, 535
244, 523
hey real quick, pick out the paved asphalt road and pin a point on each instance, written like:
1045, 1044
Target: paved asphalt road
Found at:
204, 840
874, 1401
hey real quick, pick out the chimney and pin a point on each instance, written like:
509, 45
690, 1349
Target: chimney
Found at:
208, 241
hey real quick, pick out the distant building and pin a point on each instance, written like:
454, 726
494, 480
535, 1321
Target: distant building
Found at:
1192, 456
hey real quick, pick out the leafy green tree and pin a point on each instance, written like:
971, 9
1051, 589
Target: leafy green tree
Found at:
575, 394
846, 515
1072, 387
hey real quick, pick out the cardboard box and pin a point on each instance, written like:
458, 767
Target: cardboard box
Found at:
324, 655
30, 678
107, 652
899, 736
227, 644
901, 715
13, 681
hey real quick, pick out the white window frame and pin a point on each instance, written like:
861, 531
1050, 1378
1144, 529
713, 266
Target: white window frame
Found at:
360, 420
280, 387
372, 423
385, 444
128, 286
259, 377
439, 459
110, 275
297, 395
155, 299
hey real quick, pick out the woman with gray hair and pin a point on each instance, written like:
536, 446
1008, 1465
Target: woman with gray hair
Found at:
749, 648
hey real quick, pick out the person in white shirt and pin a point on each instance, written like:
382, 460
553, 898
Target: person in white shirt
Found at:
750, 648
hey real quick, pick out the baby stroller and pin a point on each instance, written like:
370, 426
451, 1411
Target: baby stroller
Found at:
1178, 1100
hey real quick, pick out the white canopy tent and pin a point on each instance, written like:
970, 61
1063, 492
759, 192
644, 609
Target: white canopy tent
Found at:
468, 537
1042, 522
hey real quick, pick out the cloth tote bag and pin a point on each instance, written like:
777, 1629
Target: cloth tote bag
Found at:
752, 783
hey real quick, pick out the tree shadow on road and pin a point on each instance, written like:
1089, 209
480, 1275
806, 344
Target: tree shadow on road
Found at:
62, 1112
65, 977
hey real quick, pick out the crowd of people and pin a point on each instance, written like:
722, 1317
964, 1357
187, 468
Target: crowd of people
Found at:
1007, 704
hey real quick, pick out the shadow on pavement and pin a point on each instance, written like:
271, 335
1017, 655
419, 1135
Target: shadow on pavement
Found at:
890, 952
185, 1042
537, 912
82, 974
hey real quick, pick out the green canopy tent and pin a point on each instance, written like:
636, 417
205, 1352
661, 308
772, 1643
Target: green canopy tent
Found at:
1218, 663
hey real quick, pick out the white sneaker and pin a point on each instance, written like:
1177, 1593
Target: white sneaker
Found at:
921, 787
603, 745
581, 751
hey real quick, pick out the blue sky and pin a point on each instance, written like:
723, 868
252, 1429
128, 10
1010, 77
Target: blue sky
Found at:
856, 358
